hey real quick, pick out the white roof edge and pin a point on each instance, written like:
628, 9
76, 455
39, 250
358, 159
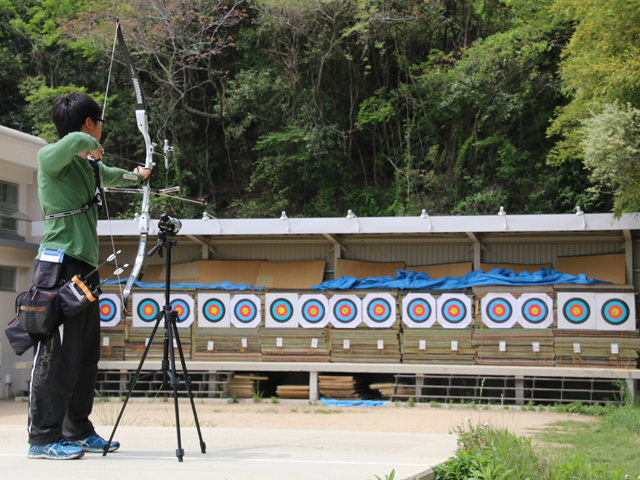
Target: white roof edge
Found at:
383, 225
22, 137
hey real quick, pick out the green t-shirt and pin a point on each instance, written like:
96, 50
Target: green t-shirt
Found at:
67, 182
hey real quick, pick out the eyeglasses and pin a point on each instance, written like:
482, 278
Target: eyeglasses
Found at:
100, 121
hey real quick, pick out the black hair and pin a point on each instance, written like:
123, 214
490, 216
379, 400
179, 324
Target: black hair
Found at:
71, 111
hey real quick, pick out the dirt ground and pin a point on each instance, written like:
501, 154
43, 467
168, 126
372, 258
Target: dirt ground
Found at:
401, 418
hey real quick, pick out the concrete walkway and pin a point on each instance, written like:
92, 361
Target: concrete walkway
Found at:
237, 454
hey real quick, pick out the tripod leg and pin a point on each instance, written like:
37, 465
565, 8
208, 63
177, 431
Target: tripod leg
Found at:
187, 381
134, 380
173, 377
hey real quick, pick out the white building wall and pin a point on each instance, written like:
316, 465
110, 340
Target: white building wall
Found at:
18, 165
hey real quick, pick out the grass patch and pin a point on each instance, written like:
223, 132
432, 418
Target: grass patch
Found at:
488, 453
326, 412
612, 440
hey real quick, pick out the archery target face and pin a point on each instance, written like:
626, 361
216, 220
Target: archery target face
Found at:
534, 310
419, 310
245, 311
499, 310
313, 311
453, 310
183, 305
213, 310
576, 311
615, 311
345, 311
109, 307
146, 308
379, 310
281, 310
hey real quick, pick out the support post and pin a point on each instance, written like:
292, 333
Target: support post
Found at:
628, 256
122, 390
477, 250
632, 386
313, 386
519, 390
419, 385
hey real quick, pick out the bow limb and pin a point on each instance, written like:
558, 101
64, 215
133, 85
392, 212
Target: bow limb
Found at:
143, 126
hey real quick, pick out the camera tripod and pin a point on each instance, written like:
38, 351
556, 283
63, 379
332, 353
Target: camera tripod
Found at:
169, 375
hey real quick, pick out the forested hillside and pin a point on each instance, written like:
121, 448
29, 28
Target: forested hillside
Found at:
379, 106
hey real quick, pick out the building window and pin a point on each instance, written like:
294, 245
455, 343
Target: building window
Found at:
8, 279
8, 206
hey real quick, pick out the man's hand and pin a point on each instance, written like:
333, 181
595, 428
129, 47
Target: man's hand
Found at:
145, 172
97, 153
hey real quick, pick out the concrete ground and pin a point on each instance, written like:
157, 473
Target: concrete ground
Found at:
262, 441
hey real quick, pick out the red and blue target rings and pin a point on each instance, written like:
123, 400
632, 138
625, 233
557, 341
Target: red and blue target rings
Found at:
535, 310
499, 310
345, 310
245, 311
454, 311
419, 310
576, 310
108, 309
379, 310
615, 312
148, 310
213, 310
182, 310
281, 310
313, 311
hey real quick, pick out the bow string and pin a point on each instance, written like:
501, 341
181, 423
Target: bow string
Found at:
144, 218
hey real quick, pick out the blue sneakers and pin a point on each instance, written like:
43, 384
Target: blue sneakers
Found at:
60, 450
95, 443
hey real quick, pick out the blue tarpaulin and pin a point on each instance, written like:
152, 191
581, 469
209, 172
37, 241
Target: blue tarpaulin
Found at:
352, 403
188, 286
407, 280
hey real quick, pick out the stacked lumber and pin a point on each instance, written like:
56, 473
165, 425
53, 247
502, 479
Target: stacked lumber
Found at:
337, 387
590, 348
136, 339
437, 345
364, 345
293, 391
386, 390
112, 342
227, 344
244, 386
520, 346
294, 345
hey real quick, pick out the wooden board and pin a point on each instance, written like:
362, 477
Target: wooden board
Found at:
298, 275
234, 271
206, 271
357, 269
443, 270
610, 268
516, 267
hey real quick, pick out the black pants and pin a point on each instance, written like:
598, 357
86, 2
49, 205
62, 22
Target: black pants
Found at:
64, 372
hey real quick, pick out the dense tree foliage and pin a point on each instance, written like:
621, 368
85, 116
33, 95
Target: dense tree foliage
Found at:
384, 107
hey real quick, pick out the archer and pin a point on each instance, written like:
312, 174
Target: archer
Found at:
65, 363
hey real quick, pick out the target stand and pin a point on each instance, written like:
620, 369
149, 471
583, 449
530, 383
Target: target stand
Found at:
169, 375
